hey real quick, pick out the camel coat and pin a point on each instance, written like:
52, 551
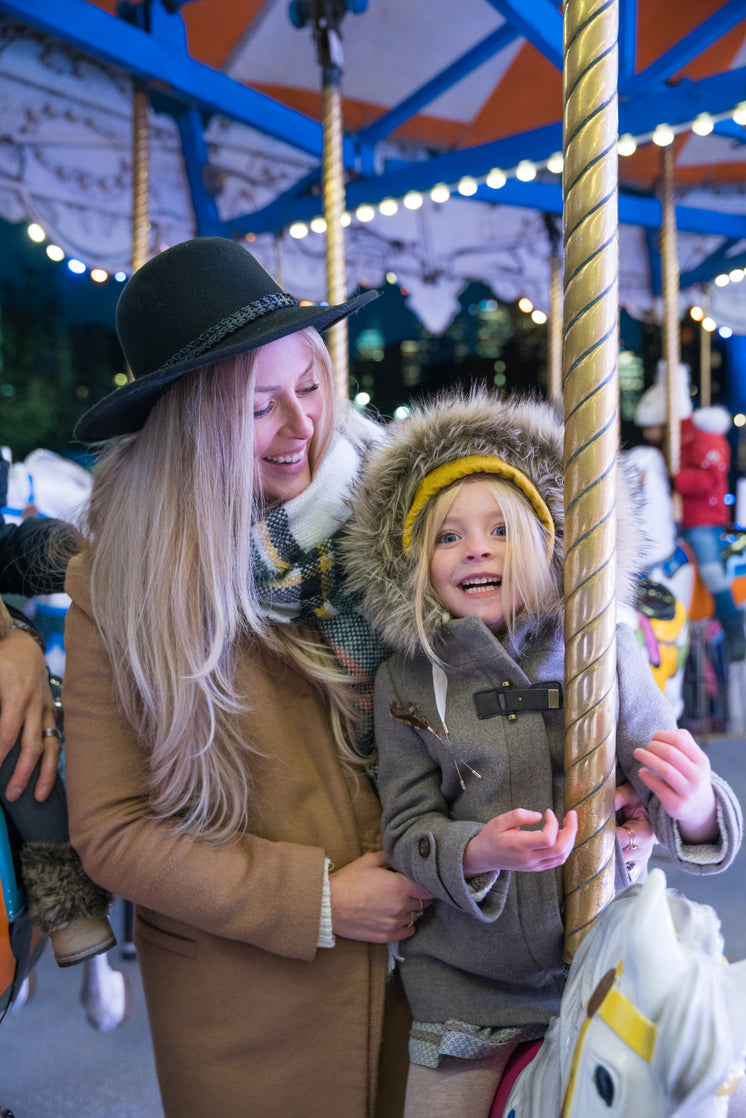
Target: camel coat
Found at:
249, 1018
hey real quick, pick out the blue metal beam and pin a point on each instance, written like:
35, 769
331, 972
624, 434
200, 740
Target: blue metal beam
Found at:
655, 263
627, 40
731, 131
714, 265
151, 59
197, 166
692, 45
539, 21
431, 90
680, 103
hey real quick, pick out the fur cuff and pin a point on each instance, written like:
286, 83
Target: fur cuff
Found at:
58, 888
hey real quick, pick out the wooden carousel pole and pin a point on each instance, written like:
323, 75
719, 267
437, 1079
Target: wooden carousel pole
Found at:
591, 395
671, 338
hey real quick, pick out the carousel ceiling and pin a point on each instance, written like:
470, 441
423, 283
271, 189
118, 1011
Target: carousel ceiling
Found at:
460, 96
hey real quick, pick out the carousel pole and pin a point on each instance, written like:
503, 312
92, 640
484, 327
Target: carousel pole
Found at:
671, 340
325, 16
140, 153
591, 395
554, 385
705, 358
140, 170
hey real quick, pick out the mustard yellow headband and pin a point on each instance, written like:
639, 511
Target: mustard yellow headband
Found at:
449, 472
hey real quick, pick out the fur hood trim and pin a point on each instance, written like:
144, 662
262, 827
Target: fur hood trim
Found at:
714, 420
526, 433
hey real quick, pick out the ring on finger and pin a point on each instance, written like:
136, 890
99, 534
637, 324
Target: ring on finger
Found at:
51, 732
631, 845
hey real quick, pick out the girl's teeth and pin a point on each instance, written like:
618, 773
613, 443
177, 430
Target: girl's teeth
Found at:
286, 459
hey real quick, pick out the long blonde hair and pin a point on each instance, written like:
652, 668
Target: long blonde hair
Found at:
526, 576
168, 532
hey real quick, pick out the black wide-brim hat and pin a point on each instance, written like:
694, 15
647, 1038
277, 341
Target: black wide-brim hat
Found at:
194, 304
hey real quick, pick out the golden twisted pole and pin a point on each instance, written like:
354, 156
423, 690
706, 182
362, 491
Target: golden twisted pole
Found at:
671, 340
591, 443
705, 357
333, 186
140, 141
555, 329
140, 168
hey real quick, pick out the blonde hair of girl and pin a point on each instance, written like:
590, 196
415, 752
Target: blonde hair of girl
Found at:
168, 534
526, 576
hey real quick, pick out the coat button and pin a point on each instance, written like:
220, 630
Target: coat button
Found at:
424, 847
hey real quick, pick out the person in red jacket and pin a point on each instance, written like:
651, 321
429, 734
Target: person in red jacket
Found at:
702, 482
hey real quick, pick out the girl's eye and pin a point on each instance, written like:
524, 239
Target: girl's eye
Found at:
447, 537
311, 388
263, 411
499, 530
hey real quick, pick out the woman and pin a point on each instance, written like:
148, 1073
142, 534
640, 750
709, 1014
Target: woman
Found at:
213, 774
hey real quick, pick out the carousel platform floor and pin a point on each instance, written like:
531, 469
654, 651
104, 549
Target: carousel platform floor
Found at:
54, 1065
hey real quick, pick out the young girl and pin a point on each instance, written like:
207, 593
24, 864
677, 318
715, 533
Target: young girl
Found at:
456, 544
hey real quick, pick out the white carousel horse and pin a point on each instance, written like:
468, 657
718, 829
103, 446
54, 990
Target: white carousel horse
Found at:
652, 1022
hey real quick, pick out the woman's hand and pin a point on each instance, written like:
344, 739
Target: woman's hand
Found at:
636, 836
677, 771
372, 903
26, 701
503, 845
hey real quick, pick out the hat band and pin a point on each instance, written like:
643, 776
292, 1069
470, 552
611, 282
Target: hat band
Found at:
210, 338
444, 475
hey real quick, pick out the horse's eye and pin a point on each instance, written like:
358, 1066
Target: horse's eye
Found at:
604, 1084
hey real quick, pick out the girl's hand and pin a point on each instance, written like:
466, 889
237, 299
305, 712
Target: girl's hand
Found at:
503, 845
678, 773
636, 836
372, 903
26, 708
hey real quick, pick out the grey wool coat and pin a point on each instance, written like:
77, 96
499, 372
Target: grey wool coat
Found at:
489, 951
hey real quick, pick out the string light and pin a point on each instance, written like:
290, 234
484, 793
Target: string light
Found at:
663, 135
467, 186
440, 192
318, 225
626, 144
525, 171
298, 230
496, 179
556, 163
703, 124
525, 305
54, 252
413, 200
36, 233
739, 113
697, 314
388, 207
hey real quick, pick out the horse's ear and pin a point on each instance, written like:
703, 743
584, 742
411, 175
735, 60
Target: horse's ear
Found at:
652, 959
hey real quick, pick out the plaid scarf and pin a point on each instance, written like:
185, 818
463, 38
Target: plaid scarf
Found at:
294, 551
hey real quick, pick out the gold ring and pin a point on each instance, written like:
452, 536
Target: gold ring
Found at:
51, 732
631, 845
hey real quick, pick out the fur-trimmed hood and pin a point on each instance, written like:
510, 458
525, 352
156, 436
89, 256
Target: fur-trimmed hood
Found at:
526, 433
